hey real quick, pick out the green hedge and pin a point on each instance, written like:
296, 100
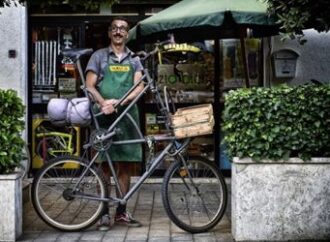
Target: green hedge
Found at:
278, 123
11, 126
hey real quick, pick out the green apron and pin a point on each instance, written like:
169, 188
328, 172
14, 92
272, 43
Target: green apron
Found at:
118, 79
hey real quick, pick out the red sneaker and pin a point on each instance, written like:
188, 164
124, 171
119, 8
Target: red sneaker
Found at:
127, 219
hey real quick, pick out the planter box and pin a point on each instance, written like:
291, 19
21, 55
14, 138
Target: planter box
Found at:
10, 207
282, 200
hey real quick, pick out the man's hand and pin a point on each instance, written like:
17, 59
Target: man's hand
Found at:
107, 106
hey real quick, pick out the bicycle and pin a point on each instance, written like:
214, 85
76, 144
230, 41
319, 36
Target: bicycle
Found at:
51, 143
194, 192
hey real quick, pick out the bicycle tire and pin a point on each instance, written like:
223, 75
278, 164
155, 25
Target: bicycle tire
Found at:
181, 201
52, 190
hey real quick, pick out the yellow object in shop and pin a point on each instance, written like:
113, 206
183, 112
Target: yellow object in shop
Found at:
252, 44
40, 122
181, 47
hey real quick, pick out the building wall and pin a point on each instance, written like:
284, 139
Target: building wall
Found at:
13, 36
313, 61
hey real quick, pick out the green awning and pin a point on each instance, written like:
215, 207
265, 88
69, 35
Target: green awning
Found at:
207, 19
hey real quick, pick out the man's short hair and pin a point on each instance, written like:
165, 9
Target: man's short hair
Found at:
121, 19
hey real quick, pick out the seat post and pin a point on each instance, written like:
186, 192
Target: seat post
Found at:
81, 73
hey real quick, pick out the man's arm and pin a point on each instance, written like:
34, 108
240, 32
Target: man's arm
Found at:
137, 90
106, 105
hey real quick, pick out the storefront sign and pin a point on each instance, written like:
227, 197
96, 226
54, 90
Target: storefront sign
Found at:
183, 76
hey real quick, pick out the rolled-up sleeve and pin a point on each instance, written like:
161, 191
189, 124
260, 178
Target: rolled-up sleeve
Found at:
94, 64
137, 64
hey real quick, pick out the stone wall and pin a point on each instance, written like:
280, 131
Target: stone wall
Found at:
13, 36
313, 61
289, 200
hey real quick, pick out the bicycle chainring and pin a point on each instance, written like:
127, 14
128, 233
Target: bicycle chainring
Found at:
96, 143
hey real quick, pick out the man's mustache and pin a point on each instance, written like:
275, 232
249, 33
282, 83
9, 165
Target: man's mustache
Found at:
118, 35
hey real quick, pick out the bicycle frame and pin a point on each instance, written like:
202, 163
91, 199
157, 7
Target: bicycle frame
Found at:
64, 139
173, 148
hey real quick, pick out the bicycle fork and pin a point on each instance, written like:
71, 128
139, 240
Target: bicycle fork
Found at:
186, 170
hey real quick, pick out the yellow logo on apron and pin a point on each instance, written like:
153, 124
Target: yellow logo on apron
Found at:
119, 68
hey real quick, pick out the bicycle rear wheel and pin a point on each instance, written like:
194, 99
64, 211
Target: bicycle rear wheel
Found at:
62, 205
194, 197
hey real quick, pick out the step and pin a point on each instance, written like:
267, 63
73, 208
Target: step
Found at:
26, 186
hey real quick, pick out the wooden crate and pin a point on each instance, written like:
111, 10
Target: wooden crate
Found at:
193, 121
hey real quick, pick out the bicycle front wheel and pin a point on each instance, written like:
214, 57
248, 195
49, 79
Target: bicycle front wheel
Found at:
194, 196
62, 201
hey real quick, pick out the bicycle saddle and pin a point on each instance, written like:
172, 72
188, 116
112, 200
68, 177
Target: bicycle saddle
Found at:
76, 53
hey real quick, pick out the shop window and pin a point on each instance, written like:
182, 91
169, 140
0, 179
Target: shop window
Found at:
49, 66
232, 66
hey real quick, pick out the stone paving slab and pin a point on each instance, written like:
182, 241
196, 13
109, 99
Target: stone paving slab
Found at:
146, 206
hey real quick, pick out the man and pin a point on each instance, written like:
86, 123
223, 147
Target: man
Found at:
111, 72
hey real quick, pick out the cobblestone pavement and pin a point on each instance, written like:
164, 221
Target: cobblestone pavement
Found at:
146, 206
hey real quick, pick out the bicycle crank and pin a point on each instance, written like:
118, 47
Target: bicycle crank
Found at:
96, 141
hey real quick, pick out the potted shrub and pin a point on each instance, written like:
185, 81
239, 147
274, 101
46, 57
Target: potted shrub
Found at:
279, 139
11, 146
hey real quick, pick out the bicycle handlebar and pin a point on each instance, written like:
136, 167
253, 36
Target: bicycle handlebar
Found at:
145, 55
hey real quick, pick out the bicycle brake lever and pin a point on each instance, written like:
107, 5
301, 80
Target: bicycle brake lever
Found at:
142, 54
